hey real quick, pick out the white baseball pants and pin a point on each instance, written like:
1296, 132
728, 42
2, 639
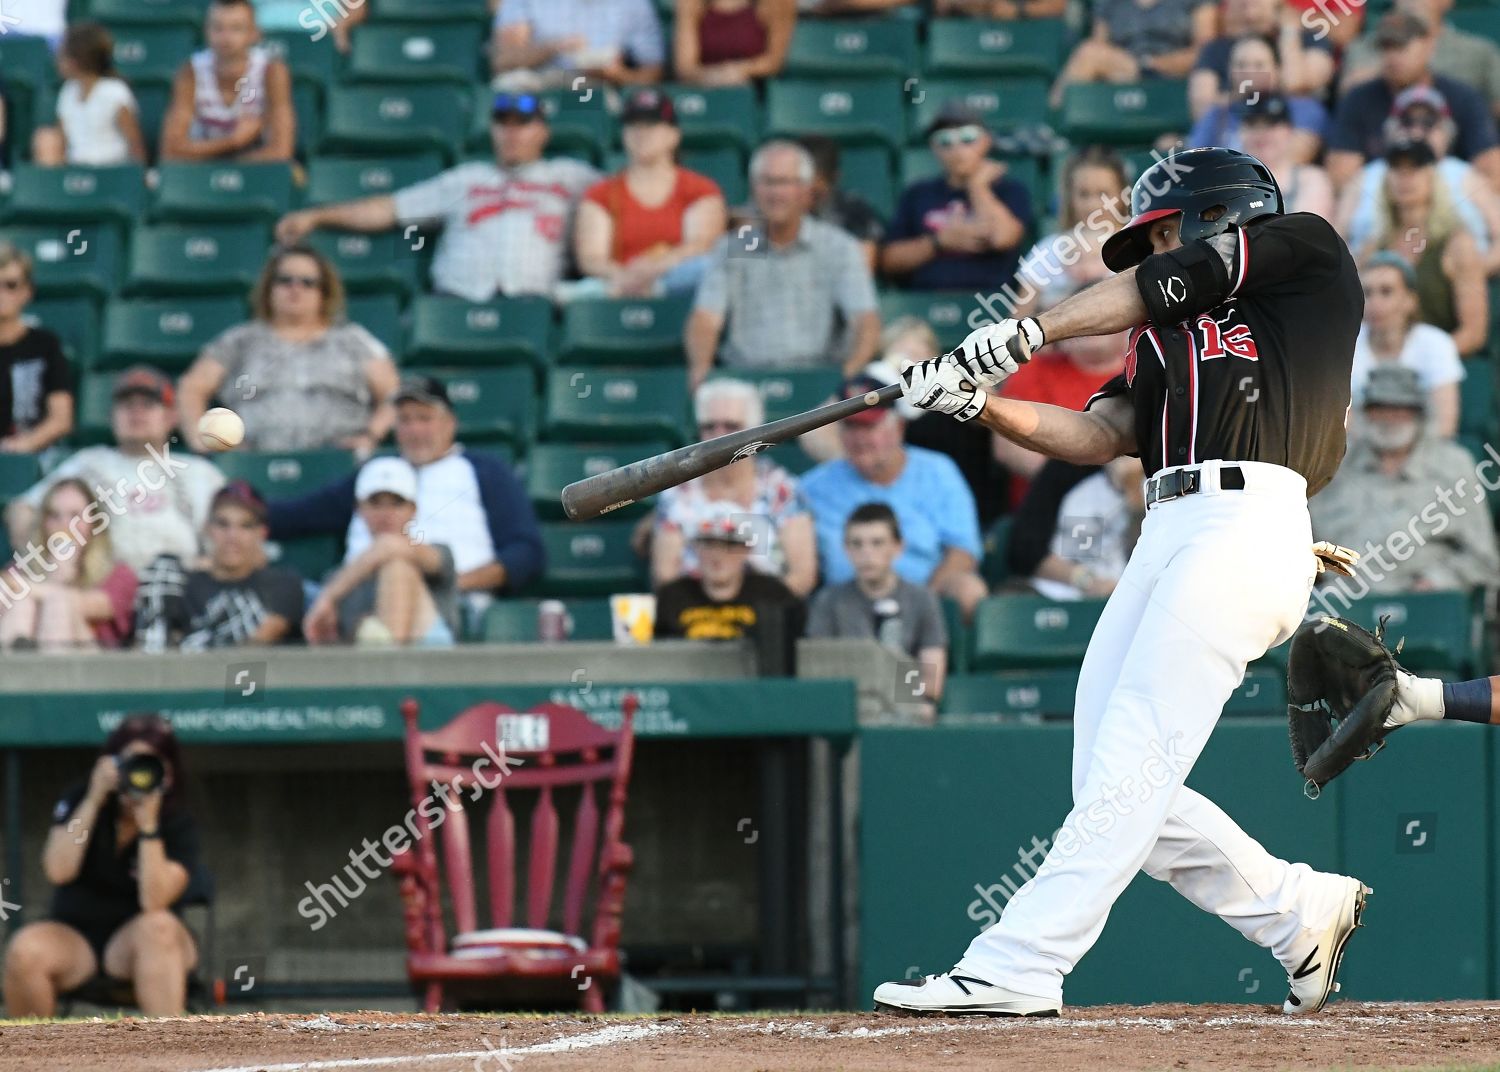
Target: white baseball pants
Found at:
1216, 579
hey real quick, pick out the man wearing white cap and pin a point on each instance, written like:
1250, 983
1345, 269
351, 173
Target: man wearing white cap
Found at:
399, 589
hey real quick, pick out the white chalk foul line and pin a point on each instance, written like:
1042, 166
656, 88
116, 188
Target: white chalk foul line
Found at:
612, 1035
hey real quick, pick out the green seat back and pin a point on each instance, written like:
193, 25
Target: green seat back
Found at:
1262, 693
716, 116
625, 331
550, 467
451, 331
1014, 695
223, 191
785, 392
866, 170
135, 12
345, 178
379, 263
514, 621
312, 61
1005, 103
74, 320
853, 110
146, 52
197, 258
431, 52
17, 473
311, 557
71, 258
1441, 630
286, 474
165, 332
1125, 114
380, 315
615, 404
1024, 631
852, 47
593, 559
725, 165
397, 117
75, 194
992, 47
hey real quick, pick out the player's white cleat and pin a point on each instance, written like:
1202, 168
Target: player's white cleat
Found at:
955, 994
1312, 978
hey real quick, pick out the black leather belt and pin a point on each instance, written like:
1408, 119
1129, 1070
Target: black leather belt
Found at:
1165, 487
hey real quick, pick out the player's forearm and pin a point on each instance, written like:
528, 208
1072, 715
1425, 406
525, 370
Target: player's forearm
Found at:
1108, 306
1082, 438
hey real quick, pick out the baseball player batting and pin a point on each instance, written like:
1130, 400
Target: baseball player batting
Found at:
1234, 395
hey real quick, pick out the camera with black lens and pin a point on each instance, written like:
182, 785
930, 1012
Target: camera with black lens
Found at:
140, 773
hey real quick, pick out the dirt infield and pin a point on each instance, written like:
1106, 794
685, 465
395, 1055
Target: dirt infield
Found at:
1211, 1038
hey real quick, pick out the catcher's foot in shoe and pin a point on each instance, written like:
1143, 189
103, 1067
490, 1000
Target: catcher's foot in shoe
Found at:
954, 993
1417, 698
1311, 977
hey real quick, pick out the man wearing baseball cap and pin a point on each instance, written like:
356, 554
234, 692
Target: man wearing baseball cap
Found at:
504, 224
725, 599
157, 498
470, 501
963, 229
399, 589
933, 505
1406, 42
1385, 486
1470, 58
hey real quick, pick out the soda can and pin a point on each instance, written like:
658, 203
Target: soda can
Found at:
553, 624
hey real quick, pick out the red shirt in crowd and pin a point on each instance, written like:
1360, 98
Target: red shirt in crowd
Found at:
1054, 379
641, 228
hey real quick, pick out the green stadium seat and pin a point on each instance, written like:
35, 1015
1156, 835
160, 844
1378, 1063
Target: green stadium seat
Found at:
1262, 693
74, 320
165, 332
17, 473
346, 178
452, 331
853, 47
1442, 630
91, 424
550, 467
313, 62
433, 52
311, 557
1124, 114
624, 331
307, 106
1005, 103
134, 12
71, 260
196, 258
1482, 21
77, 194
431, 11
285, 474
984, 47
151, 102
918, 163
1021, 631
1027, 694
402, 118
223, 191
610, 404
866, 170
514, 621
724, 164
581, 124
379, 263
994, 567
854, 111
1477, 414
709, 117
152, 53
493, 405
26, 61
788, 391
592, 559
946, 311
380, 315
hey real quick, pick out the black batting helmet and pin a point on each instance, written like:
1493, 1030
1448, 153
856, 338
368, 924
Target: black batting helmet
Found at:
1211, 188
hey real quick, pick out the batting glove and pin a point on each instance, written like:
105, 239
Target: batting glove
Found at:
939, 386
990, 354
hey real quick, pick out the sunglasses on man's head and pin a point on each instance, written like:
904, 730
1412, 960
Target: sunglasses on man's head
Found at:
951, 136
309, 281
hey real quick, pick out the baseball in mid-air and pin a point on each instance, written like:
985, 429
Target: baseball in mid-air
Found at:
221, 429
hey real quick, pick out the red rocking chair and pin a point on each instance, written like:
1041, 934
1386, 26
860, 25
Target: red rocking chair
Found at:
493, 751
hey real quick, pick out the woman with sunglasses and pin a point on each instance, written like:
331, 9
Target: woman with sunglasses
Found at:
764, 498
122, 854
301, 375
1393, 334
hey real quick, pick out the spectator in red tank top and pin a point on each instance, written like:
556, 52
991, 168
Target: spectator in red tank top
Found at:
731, 42
1065, 378
647, 229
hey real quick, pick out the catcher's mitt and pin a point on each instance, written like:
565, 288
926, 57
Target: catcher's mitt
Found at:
1341, 685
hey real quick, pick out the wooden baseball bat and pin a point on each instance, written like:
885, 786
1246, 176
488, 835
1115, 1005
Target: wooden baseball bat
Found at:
586, 499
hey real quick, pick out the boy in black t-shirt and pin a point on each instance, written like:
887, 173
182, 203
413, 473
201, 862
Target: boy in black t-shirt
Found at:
36, 385
238, 599
727, 600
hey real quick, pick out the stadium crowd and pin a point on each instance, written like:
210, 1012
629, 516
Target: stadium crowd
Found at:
786, 264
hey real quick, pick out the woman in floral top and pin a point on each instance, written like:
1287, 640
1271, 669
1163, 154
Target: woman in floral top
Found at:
769, 498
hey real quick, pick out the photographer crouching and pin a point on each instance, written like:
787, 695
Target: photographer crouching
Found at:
121, 854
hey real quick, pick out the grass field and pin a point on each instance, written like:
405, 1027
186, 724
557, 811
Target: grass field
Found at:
1225, 1038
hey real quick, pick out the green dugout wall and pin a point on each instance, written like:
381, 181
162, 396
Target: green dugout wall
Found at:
947, 811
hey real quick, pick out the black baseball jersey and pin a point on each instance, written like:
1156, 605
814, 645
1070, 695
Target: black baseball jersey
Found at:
1247, 351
